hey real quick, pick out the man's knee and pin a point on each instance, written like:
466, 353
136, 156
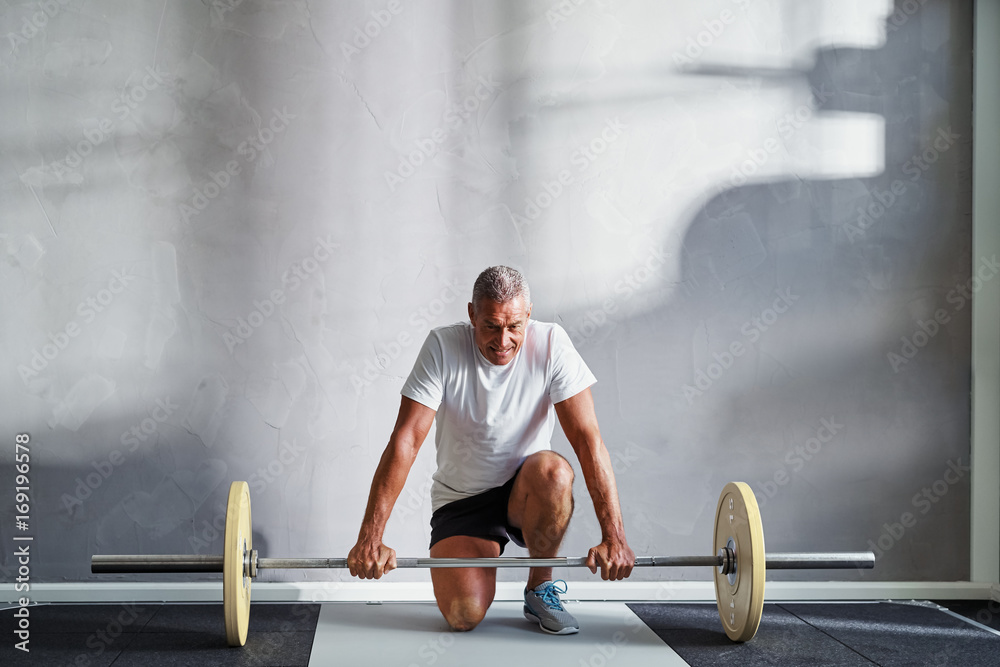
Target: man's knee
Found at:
465, 613
554, 471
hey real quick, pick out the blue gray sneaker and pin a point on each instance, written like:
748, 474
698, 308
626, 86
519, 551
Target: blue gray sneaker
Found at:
543, 606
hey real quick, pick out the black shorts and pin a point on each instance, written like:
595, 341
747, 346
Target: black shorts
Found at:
483, 515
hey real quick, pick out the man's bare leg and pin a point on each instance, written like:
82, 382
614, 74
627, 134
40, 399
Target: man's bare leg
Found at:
464, 594
541, 504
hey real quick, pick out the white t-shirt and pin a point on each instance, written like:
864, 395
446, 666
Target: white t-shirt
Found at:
490, 418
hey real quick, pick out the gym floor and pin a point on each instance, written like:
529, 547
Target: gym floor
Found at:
414, 634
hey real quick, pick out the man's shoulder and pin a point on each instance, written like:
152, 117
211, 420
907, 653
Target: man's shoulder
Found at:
543, 327
547, 340
452, 334
550, 332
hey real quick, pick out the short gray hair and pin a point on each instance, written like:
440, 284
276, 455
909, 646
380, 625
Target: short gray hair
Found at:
500, 284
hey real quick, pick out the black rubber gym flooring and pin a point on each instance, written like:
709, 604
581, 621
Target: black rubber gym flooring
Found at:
155, 635
815, 634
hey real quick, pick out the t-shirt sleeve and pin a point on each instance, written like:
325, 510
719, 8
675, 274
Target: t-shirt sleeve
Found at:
570, 374
425, 385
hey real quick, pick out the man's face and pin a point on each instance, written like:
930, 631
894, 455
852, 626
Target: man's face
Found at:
499, 328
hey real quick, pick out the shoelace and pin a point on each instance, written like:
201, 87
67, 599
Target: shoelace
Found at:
550, 594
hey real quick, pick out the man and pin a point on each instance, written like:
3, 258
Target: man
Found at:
496, 386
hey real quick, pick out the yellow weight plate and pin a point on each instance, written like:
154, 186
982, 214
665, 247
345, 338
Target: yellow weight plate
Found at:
235, 579
740, 595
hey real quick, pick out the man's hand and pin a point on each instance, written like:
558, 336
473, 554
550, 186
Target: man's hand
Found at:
614, 557
371, 559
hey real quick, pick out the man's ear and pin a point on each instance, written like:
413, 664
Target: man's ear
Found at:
472, 314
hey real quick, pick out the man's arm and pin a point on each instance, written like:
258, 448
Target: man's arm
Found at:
370, 559
579, 422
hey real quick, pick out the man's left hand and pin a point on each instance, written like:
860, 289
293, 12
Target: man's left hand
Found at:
614, 557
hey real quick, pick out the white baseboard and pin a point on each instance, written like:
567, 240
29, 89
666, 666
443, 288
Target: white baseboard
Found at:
336, 591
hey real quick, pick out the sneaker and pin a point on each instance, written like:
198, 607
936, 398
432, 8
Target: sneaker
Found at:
543, 606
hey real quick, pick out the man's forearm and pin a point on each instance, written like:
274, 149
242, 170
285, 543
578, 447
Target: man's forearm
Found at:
600, 478
390, 476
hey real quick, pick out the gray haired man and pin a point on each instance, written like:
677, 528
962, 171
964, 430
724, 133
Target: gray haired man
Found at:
496, 386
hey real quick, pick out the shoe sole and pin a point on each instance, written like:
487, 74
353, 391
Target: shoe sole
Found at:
532, 617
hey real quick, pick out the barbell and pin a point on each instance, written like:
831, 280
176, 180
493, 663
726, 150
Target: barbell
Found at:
738, 541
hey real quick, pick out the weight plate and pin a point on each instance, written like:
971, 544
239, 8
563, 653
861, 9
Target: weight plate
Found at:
740, 595
235, 579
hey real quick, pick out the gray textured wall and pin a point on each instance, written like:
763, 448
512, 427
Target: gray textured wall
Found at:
227, 227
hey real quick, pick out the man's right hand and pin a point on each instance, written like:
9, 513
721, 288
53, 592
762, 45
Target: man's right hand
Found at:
371, 559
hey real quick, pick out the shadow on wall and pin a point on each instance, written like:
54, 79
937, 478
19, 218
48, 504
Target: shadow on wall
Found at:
807, 302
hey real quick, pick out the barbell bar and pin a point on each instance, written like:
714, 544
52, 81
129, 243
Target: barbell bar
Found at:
738, 539
807, 560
